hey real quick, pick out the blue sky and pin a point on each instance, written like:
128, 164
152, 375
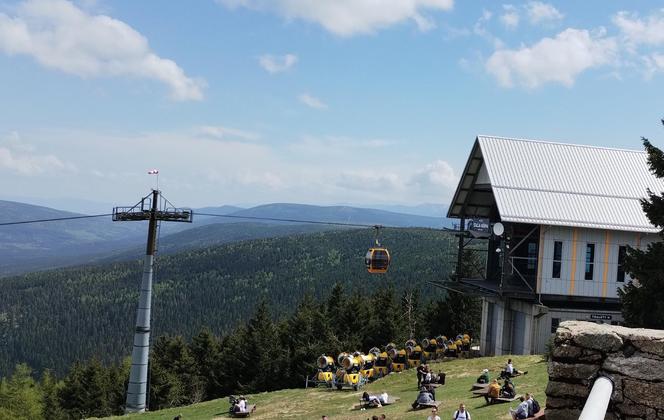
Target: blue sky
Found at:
325, 102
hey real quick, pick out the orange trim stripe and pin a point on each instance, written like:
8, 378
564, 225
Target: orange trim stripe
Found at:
607, 240
572, 276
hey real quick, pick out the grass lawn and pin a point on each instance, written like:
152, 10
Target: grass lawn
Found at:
313, 403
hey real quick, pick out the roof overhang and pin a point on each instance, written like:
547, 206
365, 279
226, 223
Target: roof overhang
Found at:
555, 184
473, 197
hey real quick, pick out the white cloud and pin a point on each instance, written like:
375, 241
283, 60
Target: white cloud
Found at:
368, 180
311, 101
510, 18
558, 60
637, 31
539, 12
61, 36
277, 64
21, 158
436, 179
337, 146
198, 170
349, 17
225, 133
438, 174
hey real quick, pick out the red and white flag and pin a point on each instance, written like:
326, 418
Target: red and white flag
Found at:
153, 172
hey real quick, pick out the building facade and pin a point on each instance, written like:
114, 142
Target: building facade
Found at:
568, 215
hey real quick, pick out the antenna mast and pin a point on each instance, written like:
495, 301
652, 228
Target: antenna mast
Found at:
149, 208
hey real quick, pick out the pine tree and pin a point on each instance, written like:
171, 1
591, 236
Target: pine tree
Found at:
204, 348
642, 300
262, 355
172, 373
20, 398
50, 388
383, 326
306, 335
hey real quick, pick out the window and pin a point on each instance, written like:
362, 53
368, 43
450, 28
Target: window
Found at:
532, 255
622, 250
554, 324
590, 261
557, 258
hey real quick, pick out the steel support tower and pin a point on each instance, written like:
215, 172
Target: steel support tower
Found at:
153, 209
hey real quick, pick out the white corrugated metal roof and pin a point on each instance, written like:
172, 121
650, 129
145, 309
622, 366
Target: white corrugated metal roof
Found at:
570, 185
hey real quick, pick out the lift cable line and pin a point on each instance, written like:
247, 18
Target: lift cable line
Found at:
231, 216
55, 219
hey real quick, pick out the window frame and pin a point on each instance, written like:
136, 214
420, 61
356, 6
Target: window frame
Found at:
557, 263
590, 262
620, 269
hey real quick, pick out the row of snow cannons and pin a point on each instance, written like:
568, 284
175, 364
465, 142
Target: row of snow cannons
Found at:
354, 370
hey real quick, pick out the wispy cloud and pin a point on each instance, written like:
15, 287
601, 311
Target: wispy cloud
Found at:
539, 12
59, 35
637, 31
311, 101
219, 132
21, 158
350, 17
510, 17
479, 29
277, 64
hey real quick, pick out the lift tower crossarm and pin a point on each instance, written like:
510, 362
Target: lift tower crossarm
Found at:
146, 209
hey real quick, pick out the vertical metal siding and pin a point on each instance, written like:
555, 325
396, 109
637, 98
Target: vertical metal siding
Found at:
569, 185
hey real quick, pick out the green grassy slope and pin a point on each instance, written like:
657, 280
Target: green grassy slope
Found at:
313, 403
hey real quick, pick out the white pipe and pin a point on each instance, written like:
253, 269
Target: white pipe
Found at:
598, 400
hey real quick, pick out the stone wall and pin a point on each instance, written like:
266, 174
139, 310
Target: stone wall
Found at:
632, 357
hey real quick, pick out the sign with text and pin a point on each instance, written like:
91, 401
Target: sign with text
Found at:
603, 317
479, 228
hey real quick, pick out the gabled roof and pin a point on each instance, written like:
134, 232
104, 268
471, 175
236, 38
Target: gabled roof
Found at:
555, 184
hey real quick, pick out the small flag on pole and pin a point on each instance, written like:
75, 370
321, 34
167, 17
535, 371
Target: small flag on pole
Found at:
153, 172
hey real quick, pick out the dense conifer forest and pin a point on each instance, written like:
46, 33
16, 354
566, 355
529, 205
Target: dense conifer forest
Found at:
51, 319
261, 355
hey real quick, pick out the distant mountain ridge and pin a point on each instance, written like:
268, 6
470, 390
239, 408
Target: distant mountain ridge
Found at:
339, 214
40, 246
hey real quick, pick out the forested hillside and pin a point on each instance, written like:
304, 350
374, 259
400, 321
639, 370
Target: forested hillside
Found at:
51, 319
42, 246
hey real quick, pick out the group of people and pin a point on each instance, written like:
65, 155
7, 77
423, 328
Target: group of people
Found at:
426, 376
460, 414
427, 381
528, 407
495, 390
239, 404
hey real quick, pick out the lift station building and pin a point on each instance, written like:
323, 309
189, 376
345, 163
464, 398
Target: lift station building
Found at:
568, 213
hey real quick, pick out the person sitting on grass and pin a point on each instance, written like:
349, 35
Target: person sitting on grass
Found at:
521, 411
423, 398
493, 392
508, 389
510, 370
484, 377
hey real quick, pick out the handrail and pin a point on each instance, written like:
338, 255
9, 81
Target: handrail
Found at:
598, 400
